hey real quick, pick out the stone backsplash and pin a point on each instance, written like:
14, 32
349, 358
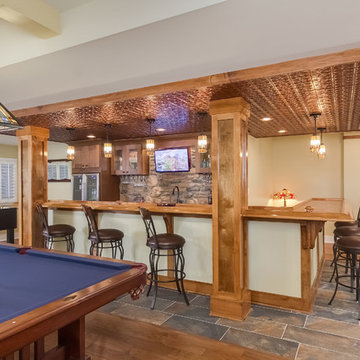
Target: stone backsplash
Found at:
195, 188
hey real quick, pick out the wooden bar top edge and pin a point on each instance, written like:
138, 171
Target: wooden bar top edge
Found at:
203, 210
324, 209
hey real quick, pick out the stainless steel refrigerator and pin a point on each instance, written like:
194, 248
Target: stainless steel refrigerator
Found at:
86, 187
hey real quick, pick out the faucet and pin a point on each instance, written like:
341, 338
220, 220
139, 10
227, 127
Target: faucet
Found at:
178, 194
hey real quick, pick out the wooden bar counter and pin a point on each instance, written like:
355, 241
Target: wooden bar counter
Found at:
286, 250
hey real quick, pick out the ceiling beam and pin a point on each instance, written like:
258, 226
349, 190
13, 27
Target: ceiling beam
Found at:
304, 64
34, 16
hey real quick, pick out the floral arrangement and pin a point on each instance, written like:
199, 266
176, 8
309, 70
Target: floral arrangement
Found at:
284, 194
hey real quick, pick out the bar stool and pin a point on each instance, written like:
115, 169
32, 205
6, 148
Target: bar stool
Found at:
339, 233
338, 224
102, 238
350, 247
53, 232
164, 245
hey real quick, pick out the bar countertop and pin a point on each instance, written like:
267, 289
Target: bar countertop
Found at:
313, 209
196, 210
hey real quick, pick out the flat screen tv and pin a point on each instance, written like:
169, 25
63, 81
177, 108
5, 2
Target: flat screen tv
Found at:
172, 160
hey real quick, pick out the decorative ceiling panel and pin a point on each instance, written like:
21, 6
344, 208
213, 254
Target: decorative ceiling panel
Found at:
287, 99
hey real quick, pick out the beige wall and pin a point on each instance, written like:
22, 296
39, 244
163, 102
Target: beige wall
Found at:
8, 151
286, 162
58, 190
352, 172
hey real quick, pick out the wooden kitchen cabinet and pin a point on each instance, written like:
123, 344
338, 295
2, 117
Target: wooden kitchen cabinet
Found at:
87, 158
129, 159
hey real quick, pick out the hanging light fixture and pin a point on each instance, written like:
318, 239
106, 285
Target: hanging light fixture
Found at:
322, 148
202, 139
315, 138
150, 143
70, 151
8, 121
107, 144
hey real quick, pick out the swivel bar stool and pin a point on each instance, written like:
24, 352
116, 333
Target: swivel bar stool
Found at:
102, 238
350, 247
339, 233
55, 233
164, 245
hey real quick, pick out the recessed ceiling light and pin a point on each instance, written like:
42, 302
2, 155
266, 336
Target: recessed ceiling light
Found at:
266, 119
282, 131
160, 129
91, 136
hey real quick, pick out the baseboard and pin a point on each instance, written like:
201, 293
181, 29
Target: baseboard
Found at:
190, 286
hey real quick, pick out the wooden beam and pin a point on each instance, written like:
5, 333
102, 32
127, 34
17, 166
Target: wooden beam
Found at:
231, 296
303, 64
32, 183
34, 16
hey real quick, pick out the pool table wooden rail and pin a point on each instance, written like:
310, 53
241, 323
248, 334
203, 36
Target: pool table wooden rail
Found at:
67, 315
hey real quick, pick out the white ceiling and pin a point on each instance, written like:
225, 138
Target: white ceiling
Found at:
114, 45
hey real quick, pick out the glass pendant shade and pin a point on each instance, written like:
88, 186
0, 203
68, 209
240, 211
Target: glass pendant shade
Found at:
108, 150
8, 121
202, 143
314, 143
322, 151
70, 152
150, 146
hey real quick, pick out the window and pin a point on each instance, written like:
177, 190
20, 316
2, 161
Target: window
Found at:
8, 192
59, 170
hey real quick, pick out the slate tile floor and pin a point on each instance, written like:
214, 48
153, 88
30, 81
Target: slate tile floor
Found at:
329, 333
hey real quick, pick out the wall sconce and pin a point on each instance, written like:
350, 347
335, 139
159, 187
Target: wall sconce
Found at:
70, 151
150, 143
322, 148
107, 145
202, 144
315, 138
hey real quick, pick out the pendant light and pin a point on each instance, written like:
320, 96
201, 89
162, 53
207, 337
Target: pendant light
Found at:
70, 151
315, 138
202, 139
107, 145
322, 148
150, 143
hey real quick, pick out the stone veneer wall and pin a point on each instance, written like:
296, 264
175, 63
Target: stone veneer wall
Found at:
194, 188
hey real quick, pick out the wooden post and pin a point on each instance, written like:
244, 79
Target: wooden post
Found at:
32, 175
230, 297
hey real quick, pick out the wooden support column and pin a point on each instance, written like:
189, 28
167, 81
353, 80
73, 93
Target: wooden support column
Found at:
32, 183
230, 297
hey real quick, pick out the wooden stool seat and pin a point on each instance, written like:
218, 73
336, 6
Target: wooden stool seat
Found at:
57, 232
166, 241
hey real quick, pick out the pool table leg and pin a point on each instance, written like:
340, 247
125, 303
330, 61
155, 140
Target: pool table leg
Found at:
72, 337
24, 353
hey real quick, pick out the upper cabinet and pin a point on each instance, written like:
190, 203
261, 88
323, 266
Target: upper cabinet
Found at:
87, 158
129, 159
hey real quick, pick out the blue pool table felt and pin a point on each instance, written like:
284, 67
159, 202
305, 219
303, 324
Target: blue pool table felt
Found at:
37, 278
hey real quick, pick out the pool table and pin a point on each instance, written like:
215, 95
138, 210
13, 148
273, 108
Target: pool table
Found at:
43, 291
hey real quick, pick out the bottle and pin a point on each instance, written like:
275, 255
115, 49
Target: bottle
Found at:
210, 198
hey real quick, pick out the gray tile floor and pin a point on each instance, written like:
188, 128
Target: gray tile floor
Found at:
330, 332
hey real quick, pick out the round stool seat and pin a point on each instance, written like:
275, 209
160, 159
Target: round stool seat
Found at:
349, 243
347, 231
166, 241
59, 230
106, 235
346, 223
